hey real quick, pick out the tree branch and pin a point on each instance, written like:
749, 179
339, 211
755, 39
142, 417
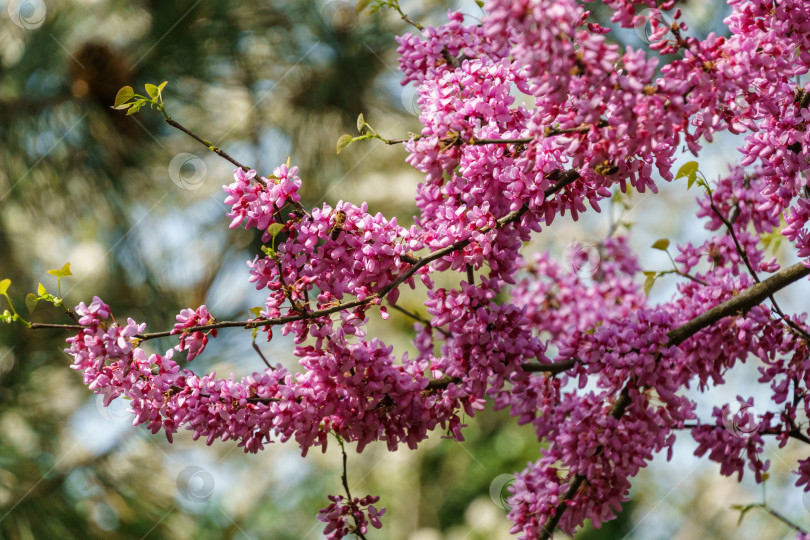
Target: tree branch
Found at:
561, 179
742, 302
218, 151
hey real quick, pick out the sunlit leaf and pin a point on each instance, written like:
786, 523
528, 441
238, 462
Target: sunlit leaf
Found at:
63, 272
274, 229
361, 6
648, 284
343, 142
4, 285
125, 94
151, 90
687, 169
31, 302
661, 244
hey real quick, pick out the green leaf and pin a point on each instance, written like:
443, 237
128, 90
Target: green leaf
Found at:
125, 94
343, 142
661, 244
41, 290
123, 106
31, 302
377, 5
361, 123
4, 285
257, 311
744, 509
162, 86
135, 107
648, 284
151, 90
687, 169
63, 272
649, 273
274, 229
361, 6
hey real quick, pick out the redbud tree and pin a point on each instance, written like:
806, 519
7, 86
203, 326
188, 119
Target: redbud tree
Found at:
596, 370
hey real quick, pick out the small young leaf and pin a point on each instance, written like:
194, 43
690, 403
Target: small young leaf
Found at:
31, 302
661, 244
162, 86
343, 142
687, 169
151, 90
648, 284
125, 94
41, 290
63, 272
257, 311
649, 273
744, 509
361, 123
274, 229
4, 285
361, 6
135, 107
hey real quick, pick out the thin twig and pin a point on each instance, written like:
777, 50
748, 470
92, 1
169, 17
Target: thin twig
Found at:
744, 256
259, 352
419, 319
218, 151
350, 501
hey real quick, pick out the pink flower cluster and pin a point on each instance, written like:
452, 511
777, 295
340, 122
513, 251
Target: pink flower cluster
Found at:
343, 518
194, 342
257, 203
427, 56
352, 389
340, 252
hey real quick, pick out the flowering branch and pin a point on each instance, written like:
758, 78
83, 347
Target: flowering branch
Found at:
564, 178
744, 301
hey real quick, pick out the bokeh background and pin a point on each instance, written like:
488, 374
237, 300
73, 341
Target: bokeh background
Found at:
136, 208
